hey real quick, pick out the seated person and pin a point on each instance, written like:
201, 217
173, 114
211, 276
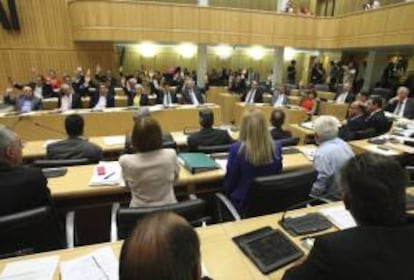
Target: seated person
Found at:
401, 105
24, 102
329, 157
162, 246
165, 96
254, 95
191, 93
362, 97
143, 112
150, 173
136, 95
254, 155
380, 246
376, 120
102, 99
346, 96
237, 85
279, 97
41, 89
68, 99
277, 119
22, 187
355, 122
208, 136
310, 102
74, 147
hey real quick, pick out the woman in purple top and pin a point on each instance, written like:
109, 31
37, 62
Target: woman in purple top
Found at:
253, 156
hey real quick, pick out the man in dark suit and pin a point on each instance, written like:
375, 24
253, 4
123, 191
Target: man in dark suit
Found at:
254, 95
74, 147
376, 119
345, 96
22, 188
103, 98
380, 246
208, 136
191, 94
68, 99
277, 119
165, 96
401, 105
354, 123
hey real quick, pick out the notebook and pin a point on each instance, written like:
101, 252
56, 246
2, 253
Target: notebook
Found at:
269, 249
197, 162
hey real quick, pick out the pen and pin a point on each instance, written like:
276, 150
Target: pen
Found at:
109, 175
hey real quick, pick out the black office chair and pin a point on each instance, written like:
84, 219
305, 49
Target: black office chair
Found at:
410, 172
213, 149
271, 194
321, 87
169, 144
287, 142
49, 163
382, 92
33, 231
125, 219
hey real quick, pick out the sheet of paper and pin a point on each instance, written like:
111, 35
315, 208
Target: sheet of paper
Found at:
222, 163
180, 139
308, 152
98, 265
204, 271
112, 175
114, 140
339, 216
307, 125
155, 108
34, 269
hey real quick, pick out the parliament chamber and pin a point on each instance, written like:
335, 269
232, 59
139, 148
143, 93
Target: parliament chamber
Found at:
279, 132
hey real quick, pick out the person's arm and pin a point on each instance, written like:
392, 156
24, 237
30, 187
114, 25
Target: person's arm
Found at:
321, 165
316, 265
233, 170
177, 168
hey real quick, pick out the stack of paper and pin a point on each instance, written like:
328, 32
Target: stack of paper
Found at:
309, 153
114, 140
307, 125
112, 175
339, 216
34, 269
100, 264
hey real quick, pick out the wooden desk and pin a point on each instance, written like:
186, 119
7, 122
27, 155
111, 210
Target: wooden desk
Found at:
220, 255
321, 94
363, 146
294, 100
305, 135
75, 184
293, 114
52, 103
227, 102
214, 92
112, 121
337, 110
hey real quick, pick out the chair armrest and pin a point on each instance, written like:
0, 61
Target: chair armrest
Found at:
114, 227
70, 229
223, 200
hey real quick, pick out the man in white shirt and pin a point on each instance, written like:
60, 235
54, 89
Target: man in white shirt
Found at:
254, 95
401, 105
68, 99
371, 4
346, 96
279, 97
191, 93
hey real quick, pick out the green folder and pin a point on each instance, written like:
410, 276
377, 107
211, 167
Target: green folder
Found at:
197, 162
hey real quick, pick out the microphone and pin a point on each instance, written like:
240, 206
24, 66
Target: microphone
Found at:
308, 223
49, 128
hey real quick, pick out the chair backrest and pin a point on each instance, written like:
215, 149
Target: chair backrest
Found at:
271, 194
382, 92
32, 231
169, 144
291, 141
321, 87
47, 163
214, 149
192, 210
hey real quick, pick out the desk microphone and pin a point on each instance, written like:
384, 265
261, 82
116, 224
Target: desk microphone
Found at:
309, 223
49, 128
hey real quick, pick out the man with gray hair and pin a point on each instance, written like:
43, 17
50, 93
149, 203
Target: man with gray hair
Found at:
22, 188
329, 158
401, 105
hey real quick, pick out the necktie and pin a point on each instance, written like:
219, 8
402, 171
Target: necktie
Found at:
193, 98
398, 108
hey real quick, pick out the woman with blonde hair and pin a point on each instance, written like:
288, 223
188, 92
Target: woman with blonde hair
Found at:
254, 155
